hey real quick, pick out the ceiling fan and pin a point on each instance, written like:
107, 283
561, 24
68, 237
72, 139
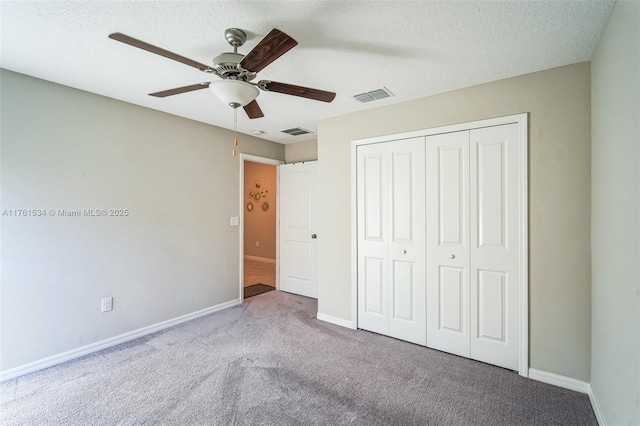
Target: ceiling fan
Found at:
237, 70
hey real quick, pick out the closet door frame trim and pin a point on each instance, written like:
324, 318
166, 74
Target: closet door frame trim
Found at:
523, 186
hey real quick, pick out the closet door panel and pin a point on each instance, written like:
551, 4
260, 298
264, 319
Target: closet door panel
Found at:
374, 288
407, 245
374, 193
491, 185
373, 238
403, 288
447, 212
495, 245
491, 305
451, 283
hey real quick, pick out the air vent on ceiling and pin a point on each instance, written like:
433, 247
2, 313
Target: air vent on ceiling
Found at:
373, 95
296, 131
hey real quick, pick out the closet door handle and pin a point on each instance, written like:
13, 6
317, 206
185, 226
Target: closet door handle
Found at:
314, 236
452, 256
404, 252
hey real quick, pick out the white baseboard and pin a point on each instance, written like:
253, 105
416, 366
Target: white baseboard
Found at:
560, 381
336, 321
596, 407
571, 384
41, 364
259, 259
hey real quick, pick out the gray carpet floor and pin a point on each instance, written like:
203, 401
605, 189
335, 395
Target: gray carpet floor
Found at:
270, 362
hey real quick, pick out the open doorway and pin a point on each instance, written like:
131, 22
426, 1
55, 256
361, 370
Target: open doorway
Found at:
259, 239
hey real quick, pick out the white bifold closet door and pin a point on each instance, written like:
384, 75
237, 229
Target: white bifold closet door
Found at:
391, 239
473, 244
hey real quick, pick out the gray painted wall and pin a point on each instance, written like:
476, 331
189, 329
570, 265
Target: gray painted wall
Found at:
174, 253
558, 103
615, 229
301, 151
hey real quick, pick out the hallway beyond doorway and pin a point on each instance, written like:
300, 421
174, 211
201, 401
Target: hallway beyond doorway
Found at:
257, 272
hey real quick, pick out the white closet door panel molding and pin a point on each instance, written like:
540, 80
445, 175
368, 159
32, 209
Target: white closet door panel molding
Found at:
375, 197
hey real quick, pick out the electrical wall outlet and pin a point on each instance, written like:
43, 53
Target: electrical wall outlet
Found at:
107, 304
257, 243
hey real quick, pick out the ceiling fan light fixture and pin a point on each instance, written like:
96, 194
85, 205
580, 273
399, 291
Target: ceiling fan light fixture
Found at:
235, 93
236, 71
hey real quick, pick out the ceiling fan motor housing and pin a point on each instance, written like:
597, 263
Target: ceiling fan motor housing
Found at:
226, 66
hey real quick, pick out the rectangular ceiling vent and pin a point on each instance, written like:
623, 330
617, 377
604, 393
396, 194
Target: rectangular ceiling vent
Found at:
296, 131
373, 95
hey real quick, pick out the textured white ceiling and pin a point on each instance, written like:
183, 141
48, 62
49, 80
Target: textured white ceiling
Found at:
415, 49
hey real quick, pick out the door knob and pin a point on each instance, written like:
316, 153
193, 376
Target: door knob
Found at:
404, 252
453, 256
314, 236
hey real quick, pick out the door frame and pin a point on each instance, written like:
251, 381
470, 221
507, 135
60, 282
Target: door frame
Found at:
263, 160
522, 121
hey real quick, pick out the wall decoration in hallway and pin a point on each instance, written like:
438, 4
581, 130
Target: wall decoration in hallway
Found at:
256, 193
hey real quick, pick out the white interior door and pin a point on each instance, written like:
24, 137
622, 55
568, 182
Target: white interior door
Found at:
391, 246
495, 245
298, 247
447, 186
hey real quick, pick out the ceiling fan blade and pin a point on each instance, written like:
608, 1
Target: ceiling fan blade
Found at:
179, 90
303, 92
157, 50
253, 110
274, 45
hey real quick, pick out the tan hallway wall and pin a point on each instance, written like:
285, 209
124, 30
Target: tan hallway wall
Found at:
260, 224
